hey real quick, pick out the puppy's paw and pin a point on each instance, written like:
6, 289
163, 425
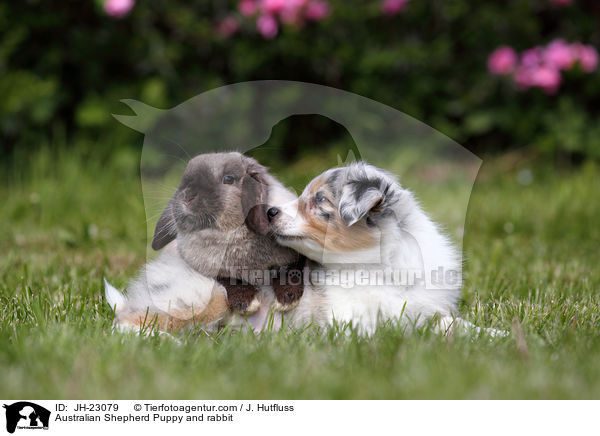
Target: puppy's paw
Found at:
285, 307
242, 298
449, 326
288, 286
495, 333
252, 307
244, 308
287, 297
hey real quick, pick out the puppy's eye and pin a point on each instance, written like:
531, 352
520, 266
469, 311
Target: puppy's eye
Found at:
228, 180
320, 197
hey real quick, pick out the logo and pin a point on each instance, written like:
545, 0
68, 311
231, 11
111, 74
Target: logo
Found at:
26, 415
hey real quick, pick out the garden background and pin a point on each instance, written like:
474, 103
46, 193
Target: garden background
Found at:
516, 82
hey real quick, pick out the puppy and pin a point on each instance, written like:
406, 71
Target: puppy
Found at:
359, 220
214, 231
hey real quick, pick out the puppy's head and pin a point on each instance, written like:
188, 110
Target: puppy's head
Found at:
343, 210
222, 191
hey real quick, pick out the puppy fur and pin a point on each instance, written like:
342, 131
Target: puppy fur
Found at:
360, 217
168, 294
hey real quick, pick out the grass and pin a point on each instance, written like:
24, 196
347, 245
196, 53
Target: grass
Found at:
69, 220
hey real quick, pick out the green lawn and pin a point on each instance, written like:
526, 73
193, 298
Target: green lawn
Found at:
531, 267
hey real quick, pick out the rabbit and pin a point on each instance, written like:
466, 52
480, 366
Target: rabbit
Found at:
216, 249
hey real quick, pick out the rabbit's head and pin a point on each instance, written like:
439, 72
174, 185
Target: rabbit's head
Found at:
222, 191
218, 215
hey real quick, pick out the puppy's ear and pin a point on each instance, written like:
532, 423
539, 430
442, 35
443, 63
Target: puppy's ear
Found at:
166, 229
254, 198
367, 191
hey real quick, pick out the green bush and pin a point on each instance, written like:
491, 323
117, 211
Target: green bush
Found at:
64, 66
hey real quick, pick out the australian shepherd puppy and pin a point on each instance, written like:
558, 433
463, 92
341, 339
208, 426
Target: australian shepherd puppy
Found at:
377, 255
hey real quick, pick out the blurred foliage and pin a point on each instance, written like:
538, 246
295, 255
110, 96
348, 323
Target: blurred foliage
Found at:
64, 66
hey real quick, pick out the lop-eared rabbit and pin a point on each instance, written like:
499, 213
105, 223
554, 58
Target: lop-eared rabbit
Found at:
216, 249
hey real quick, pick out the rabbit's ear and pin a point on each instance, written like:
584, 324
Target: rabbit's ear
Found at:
254, 199
166, 229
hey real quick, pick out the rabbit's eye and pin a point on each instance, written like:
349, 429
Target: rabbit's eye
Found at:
228, 180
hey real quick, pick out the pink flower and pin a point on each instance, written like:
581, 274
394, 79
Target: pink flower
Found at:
272, 6
532, 57
559, 54
267, 26
247, 7
392, 7
546, 77
502, 60
118, 8
317, 10
523, 77
227, 26
540, 67
562, 2
291, 13
587, 57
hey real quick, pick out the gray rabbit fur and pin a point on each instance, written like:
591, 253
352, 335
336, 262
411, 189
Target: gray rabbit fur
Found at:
214, 229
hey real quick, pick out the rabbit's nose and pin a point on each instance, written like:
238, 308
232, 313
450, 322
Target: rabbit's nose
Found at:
189, 195
272, 213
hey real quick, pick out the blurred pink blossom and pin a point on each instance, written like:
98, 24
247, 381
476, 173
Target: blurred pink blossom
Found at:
272, 13
523, 77
531, 57
291, 16
546, 77
562, 2
587, 57
272, 6
292, 12
392, 7
541, 66
559, 54
247, 7
118, 8
267, 26
317, 10
227, 27
502, 60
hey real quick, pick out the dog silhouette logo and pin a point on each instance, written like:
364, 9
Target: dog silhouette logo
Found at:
26, 415
205, 124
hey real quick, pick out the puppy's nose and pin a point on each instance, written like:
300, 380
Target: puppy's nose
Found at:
272, 213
